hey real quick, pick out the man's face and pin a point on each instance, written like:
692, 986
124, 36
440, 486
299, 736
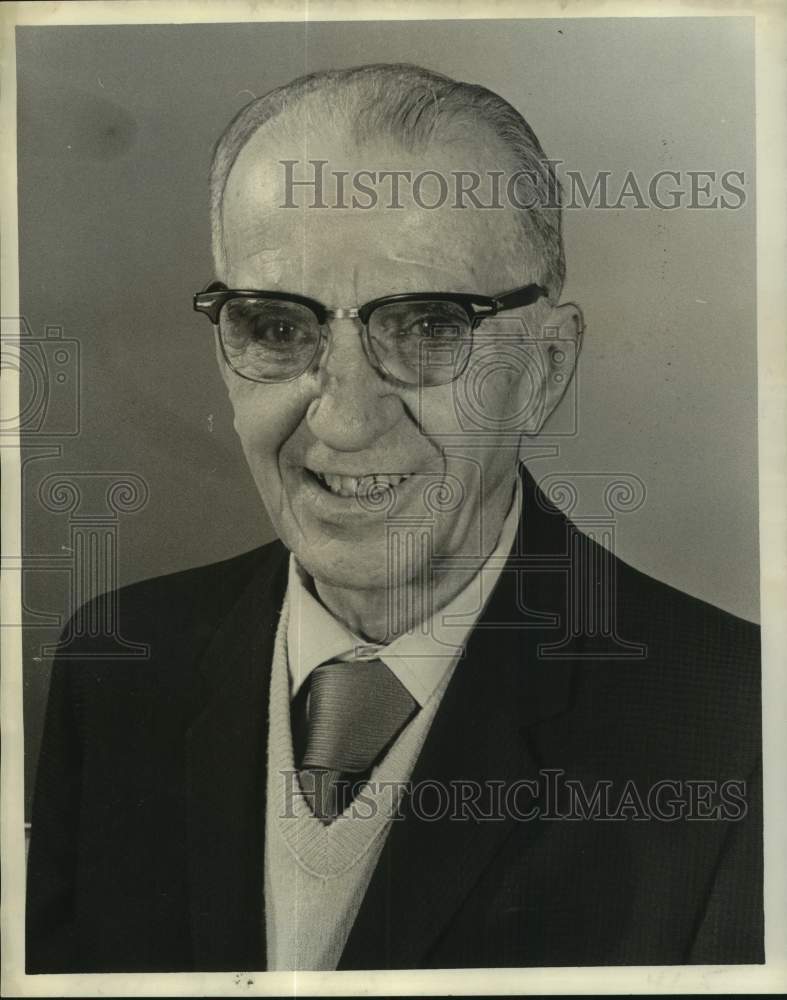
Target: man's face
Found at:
344, 419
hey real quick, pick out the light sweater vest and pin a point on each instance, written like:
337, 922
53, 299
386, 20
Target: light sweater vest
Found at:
315, 875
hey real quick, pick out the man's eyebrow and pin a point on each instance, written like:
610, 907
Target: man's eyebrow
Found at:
271, 259
418, 263
452, 271
266, 254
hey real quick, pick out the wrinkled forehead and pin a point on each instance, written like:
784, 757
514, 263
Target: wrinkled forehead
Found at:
309, 203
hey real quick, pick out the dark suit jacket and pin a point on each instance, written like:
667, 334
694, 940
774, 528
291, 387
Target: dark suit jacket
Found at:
148, 823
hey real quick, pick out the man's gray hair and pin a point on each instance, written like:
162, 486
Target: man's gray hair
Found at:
413, 106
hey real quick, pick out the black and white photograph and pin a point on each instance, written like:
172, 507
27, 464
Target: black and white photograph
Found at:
393, 539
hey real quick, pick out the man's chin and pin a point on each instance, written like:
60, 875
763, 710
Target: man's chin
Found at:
354, 565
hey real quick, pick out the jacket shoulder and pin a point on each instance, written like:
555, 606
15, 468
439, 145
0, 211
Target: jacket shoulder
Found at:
175, 611
221, 581
680, 620
690, 692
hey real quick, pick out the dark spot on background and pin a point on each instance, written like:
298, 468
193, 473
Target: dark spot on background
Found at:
73, 123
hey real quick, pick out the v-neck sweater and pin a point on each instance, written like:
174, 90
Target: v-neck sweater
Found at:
316, 875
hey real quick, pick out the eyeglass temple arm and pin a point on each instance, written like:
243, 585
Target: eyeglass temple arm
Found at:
520, 297
210, 300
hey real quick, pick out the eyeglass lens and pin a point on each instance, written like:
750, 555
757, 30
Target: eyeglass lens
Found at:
419, 343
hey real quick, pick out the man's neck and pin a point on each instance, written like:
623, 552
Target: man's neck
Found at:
380, 616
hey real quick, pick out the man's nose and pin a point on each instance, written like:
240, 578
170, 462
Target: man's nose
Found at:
354, 406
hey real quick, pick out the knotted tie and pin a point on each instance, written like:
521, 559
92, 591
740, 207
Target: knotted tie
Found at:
356, 710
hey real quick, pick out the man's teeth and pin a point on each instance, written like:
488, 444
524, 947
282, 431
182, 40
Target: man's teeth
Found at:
350, 486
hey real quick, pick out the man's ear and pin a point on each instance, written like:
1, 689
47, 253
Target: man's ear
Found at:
560, 341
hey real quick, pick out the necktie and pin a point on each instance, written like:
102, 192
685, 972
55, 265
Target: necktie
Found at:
356, 710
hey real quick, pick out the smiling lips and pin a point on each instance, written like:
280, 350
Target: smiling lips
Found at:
351, 486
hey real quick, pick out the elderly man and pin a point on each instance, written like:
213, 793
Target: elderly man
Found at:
395, 737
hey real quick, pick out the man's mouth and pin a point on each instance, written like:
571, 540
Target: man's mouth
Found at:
353, 486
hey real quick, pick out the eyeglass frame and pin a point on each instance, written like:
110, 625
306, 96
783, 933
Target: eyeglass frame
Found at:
478, 307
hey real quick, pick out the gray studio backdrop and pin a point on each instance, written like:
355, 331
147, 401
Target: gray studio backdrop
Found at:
116, 126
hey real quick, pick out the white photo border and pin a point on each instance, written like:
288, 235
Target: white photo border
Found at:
771, 135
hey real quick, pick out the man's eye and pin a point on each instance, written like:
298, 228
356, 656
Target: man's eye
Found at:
277, 332
431, 326
249, 323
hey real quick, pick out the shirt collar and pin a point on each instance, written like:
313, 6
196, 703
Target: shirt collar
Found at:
419, 659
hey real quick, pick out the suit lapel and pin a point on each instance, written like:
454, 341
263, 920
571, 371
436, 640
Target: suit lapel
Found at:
226, 749
483, 731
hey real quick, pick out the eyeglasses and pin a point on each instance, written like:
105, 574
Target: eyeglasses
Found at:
419, 338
